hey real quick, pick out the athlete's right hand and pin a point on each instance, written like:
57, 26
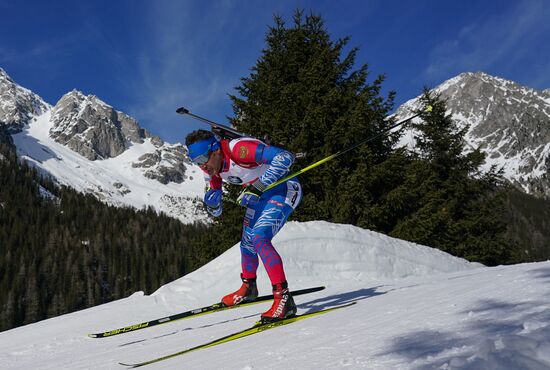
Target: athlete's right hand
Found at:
213, 198
213, 202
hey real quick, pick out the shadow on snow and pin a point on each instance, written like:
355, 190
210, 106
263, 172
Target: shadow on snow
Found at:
490, 334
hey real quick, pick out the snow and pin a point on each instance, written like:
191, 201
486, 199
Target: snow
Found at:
417, 308
102, 176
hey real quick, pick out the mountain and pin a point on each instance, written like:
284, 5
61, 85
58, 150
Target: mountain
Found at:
86, 144
17, 104
92, 128
417, 308
507, 121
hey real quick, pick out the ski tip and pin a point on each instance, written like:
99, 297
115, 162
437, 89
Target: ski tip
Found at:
182, 110
93, 336
130, 366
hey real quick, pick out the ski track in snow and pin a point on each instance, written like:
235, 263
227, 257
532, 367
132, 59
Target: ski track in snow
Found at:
417, 308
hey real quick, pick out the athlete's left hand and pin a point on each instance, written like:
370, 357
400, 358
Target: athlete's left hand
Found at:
250, 195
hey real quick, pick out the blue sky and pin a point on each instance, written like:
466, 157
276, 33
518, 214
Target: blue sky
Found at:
147, 58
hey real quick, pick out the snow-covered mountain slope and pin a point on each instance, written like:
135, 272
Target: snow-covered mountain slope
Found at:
508, 121
86, 144
117, 181
417, 308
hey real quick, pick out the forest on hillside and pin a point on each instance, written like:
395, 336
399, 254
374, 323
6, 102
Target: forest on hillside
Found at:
62, 251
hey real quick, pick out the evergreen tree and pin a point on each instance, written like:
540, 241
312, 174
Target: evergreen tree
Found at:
304, 94
446, 201
57, 256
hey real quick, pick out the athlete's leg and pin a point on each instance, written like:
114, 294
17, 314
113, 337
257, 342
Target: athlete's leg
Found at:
270, 214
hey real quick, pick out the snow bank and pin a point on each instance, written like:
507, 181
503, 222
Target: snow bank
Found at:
318, 253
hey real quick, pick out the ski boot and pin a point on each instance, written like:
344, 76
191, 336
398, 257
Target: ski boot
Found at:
247, 292
283, 305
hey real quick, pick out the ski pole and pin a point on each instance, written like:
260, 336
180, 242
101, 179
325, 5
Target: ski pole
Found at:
222, 130
182, 110
343, 151
216, 127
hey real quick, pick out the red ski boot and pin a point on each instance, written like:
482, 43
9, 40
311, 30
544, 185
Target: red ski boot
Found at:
247, 292
283, 304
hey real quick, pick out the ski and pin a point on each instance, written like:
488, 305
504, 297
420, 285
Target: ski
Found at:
257, 328
216, 307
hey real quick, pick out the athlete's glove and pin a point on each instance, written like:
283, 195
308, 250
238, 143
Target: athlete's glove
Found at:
251, 194
213, 202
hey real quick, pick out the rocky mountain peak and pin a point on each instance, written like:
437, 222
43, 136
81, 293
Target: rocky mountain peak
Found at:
17, 104
93, 128
497, 108
508, 121
5, 76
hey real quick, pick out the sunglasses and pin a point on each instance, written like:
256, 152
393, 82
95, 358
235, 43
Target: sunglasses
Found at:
201, 159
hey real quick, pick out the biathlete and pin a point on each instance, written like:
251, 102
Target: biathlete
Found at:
255, 165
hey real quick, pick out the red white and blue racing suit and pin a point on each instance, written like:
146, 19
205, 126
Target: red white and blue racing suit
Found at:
245, 161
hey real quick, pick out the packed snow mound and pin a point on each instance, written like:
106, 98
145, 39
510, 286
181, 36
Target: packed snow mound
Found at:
319, 253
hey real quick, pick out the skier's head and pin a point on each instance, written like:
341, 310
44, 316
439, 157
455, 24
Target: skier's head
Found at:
204, 150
